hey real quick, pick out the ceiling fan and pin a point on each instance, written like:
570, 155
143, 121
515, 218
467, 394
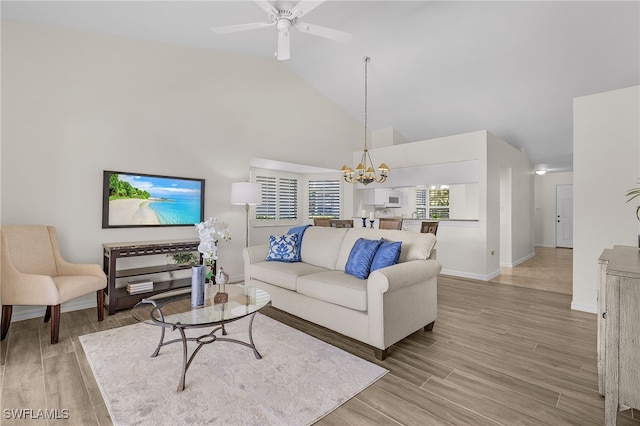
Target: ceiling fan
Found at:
285, 15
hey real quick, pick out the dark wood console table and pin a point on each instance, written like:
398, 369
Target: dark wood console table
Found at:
119, 298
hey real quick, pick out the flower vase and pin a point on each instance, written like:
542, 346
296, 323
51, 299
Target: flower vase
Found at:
197, 286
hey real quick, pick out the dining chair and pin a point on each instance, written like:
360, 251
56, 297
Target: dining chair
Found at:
34, 273
429, 227
341, 223
322, 222
390, 223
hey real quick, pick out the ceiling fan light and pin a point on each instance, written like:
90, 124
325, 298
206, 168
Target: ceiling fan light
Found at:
283, 25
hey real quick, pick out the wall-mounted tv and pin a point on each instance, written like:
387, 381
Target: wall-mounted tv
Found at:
132, 200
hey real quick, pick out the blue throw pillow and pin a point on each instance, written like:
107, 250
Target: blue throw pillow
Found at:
360, 257
300, 231
283, 248
388, 254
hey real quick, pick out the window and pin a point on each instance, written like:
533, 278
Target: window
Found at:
439, 202
287, 199
324, 198
267, 209
279, 200
421, 203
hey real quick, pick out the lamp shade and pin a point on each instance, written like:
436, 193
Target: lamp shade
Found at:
246, 193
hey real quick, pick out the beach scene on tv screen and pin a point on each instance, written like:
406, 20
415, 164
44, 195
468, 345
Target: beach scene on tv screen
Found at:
147, 200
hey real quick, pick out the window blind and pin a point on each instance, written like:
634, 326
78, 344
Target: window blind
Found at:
287, 199
324, 198
279, 199
267, 209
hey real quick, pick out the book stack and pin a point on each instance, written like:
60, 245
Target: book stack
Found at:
139, 286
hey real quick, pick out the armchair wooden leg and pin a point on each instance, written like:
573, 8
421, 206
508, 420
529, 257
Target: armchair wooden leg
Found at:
6, 319
47, 314
429, 326
55, 323
100, 299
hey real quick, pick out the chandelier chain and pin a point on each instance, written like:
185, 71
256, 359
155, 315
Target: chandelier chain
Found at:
364, 172
366, 60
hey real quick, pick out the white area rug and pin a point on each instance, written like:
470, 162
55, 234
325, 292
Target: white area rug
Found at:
299, 379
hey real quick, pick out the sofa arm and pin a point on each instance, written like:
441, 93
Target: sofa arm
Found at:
403, 274
255, 254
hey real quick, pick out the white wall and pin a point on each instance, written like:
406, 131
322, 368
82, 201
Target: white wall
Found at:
545, 206
464, 201
606, 153
520, 200
75, 104
472, 249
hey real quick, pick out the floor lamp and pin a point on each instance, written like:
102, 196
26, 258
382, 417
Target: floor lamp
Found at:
247, 194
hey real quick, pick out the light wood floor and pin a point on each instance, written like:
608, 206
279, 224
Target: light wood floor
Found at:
498, 354
551, 269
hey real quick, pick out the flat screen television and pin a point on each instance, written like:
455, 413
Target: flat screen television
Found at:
133, 200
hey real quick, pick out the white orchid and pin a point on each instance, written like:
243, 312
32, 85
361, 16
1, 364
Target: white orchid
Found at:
210, 231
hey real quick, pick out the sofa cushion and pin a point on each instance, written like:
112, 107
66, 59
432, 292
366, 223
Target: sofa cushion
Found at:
320, 246
360, 257
387, 254
281, 274
335, 287
415, 246
283, 248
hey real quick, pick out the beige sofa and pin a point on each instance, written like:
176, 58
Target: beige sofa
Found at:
391, 304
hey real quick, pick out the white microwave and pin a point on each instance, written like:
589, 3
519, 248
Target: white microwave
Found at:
393, 199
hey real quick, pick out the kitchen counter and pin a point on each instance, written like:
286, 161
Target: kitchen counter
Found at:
439, 220
413, 224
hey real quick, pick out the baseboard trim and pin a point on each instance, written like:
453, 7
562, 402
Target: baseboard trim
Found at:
27, 312
519, 261
89, 301
478, 277
592, 309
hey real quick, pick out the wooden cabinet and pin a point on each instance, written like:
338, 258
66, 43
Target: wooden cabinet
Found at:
119, 298
619, 330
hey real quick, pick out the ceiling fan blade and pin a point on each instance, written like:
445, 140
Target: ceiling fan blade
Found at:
242, 27
268, 7
320, 31
304, 7
284, 46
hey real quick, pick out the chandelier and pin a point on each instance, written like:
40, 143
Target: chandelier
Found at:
364, 172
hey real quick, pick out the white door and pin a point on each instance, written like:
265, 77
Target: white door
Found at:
564, 216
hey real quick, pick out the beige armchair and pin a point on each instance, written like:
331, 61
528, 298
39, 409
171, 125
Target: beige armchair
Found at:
32, 272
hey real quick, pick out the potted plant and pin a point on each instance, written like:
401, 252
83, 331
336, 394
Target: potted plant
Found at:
184, 258
632, 194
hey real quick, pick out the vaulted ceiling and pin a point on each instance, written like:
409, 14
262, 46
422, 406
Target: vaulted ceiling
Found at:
438, 68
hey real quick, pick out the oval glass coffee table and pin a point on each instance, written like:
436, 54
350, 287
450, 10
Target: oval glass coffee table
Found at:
172, 309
